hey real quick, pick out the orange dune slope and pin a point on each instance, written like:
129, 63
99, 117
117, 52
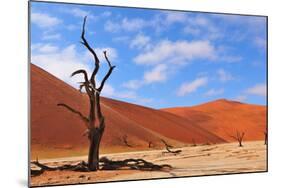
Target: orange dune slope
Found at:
54, 127
223, 118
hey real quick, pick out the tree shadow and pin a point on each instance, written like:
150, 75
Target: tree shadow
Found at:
133, 164
105, 164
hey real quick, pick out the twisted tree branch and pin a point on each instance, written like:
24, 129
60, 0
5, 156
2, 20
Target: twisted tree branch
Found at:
86, 44
86, 120
108, 73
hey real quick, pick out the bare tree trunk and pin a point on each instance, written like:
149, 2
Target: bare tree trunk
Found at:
93, 158
239, 137
93, 155
95, 116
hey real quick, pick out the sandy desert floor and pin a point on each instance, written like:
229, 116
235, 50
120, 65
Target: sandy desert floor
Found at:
192, 161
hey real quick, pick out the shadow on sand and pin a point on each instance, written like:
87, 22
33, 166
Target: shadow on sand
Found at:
105, 164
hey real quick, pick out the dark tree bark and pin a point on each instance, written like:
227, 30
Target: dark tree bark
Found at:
95, 121
168, 148
239, 137
150, 144
125, 140
193, 143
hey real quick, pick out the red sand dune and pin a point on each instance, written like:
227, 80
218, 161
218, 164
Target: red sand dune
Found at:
55, 128
224, 118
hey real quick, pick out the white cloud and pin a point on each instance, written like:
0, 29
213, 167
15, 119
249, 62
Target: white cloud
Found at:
61, 63
174, 17
140, 41
110, 52
71, 27
125, 24
158, 22
241, 98
214, 92
177, 52
230, 58
190, 87
108, 90
133, 84
124, 39
260, 42
110, 26
78, 12
157, 74
44, 48
192, 31
224, 76
128, 95
259, 90
133, 24
203, 27
106, 14
44, 20
47, 36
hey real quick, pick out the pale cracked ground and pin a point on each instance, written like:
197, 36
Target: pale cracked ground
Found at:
192, 161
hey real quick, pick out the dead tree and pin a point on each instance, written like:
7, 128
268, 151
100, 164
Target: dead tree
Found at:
239, 137
193, 143
95, 122
125, 140
168, 148
265, 137
150, 144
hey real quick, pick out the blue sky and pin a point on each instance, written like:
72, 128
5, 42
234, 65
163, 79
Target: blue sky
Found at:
163, 58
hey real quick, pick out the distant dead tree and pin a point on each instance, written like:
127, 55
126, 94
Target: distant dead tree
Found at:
125, 140
239, 137
265, 137
95, 122
150, 144
168, 148
193, 143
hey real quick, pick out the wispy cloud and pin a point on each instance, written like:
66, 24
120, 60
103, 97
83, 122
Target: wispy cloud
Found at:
190, 87
126, 24
51, 36
140, 41
214, 92
158, 22
175, 17
43, 20
241, 98
44, 48
60, 62
112, 54
202, 27
260, 42
79, 13
259, 90
129, 95
133, 84
224, 76
256, 90
157, 74
177, 52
